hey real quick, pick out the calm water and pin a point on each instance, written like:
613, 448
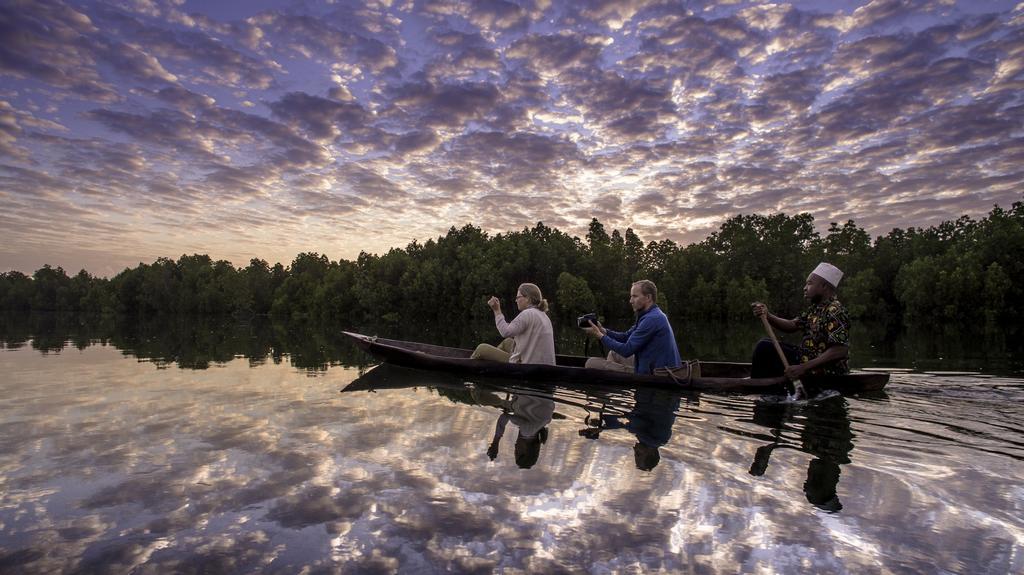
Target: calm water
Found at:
118, 455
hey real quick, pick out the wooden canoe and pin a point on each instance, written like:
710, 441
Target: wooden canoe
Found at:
715, 376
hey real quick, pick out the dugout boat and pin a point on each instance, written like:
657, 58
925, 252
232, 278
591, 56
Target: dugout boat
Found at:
714, 376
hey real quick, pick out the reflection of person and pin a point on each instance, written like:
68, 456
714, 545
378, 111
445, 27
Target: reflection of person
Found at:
531, 414
529, 337
650, 420
826, 327
826, 435
646, 346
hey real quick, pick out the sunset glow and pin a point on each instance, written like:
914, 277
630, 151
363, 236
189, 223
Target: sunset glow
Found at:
135, 129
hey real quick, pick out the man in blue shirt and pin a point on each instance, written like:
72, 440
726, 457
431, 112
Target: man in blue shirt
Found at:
646, 346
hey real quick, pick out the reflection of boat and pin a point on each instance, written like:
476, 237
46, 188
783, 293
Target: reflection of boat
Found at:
715, 376
390, 376
477, 390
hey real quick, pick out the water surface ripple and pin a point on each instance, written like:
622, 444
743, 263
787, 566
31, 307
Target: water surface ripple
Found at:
112, 464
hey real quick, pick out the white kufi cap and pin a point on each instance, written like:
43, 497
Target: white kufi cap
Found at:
829, 273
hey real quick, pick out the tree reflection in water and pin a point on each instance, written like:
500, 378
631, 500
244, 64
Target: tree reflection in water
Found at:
113, 465
188, 342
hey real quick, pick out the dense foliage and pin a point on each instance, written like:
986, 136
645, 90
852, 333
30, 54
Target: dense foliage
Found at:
190, 342
962, 272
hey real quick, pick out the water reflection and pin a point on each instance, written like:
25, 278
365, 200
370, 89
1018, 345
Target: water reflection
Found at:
647, 414
530, 410
530, 413
200, 342
824, 432
650, 419
108, 464
186, 342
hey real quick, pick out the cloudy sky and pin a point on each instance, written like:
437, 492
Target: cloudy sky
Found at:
135, 129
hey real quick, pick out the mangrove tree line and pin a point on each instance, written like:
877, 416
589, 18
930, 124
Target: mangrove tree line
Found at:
961, 272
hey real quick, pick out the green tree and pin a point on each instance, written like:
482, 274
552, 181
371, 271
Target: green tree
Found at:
261, 283
738, 294
776, 249
997, 288
51, 289
863, 295
656, 258
847, 247
960, 272
297, 294
337, 298
573, 296
15, 291
633, 256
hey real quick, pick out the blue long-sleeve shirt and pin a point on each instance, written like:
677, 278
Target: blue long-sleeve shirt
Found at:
650, 339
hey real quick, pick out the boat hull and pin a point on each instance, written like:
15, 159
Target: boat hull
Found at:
715, 376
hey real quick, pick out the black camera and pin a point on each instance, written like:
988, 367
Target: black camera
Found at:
585, 319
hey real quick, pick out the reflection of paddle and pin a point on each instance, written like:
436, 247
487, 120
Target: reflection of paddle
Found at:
593, 432
760, 463
797, 386
774, 418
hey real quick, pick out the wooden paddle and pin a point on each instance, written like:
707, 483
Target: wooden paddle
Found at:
797, 386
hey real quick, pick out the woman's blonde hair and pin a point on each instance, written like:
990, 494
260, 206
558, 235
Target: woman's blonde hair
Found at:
532, 293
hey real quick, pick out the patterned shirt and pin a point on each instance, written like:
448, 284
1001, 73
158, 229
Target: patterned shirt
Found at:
824, 324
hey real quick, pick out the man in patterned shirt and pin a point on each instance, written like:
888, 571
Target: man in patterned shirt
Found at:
825, 345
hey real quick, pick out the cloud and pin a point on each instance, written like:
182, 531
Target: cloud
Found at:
10, 131
206, 59
133, 62
787, 95
305, 119
884, 54
185, 100
41, 214
489, 16
417, 141
552, 53
369, 185
323, 119
239, 183
447, 105
877, 13
462, 57
636, 110
505, 157
328, 41
288, 148
165, 128
55, 44
326, 203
